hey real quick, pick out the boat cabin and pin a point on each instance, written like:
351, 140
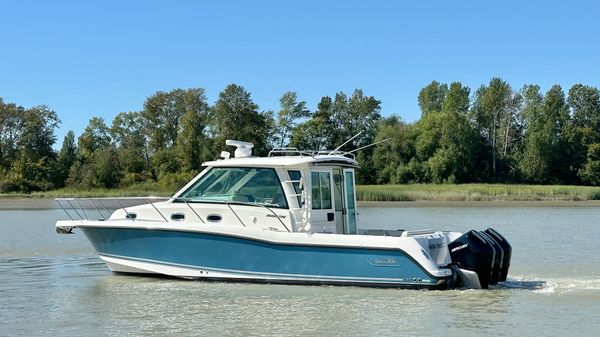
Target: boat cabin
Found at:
298, 191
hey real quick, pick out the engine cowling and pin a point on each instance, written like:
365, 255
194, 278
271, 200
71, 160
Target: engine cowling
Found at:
486, 253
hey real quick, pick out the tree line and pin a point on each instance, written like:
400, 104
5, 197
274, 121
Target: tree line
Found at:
494, 134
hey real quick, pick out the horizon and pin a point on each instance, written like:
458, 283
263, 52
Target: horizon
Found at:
88, 60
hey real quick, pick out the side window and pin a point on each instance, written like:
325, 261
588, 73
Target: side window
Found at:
321, 190
325, 190
316, 190
263, 188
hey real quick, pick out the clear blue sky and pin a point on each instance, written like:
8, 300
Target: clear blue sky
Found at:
98, 58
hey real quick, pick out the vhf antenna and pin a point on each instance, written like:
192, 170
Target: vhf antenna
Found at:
372, 144
346, 142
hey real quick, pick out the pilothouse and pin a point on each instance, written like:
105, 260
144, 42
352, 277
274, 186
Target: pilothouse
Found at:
289, 217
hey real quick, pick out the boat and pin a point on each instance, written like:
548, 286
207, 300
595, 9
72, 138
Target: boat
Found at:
289, 217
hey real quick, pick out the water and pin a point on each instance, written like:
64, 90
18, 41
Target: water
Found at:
55, 285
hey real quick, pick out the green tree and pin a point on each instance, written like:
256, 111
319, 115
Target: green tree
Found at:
291, 111
99, 166
193, 146
33, 167
237, 117
128, 135
585, 130
67, 156
392, 158
448, 146
457, 98
162, 117
37, 133
431, 98
351, 115
11, 117
495, 114
107, 171
585, 105
317, 133
531, 163
354, 114
590, 172
95, 136
544, 158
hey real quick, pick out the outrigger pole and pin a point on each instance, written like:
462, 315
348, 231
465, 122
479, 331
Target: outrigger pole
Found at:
346, 142
360, 148
372, 144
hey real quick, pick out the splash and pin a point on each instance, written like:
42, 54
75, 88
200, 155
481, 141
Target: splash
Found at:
551, 285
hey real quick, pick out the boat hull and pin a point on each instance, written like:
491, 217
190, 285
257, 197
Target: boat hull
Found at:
198, 255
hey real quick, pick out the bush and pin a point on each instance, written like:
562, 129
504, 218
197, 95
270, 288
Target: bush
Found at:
24, 186
130, 179
7, 186
174, 181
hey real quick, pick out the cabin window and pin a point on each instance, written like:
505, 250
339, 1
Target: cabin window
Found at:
321, 190
244, 185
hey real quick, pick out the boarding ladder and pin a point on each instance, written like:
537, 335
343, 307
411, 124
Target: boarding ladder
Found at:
300, 214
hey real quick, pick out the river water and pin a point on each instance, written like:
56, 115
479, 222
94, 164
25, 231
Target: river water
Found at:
54, 285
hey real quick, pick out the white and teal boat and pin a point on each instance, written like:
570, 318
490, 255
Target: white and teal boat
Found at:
287, 218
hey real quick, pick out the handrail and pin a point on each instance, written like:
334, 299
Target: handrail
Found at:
292, 151
284, 150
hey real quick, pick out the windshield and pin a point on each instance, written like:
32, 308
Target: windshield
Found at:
259, 186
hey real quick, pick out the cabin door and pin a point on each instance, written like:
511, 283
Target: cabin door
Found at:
338, 201
322, 204
350, 201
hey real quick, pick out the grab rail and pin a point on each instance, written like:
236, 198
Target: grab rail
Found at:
292, 151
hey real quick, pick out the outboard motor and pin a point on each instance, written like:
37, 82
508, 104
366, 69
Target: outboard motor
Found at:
473, 252
507, 250
498, 257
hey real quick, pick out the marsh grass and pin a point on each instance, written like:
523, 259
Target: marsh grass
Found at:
476, 192
411, 192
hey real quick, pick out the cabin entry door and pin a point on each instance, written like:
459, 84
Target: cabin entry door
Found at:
338, 201
322, 203
350, 201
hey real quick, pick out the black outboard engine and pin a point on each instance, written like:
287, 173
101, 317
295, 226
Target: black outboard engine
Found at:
498, 257
473, 252
506, 248
486, 253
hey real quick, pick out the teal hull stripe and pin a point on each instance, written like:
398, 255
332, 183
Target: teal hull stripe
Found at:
205, 251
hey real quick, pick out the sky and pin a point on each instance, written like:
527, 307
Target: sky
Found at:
99, 58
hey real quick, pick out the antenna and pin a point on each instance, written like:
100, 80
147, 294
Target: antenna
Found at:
346, 142
372, 144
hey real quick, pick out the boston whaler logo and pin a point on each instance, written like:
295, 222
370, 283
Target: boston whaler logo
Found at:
383, 261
